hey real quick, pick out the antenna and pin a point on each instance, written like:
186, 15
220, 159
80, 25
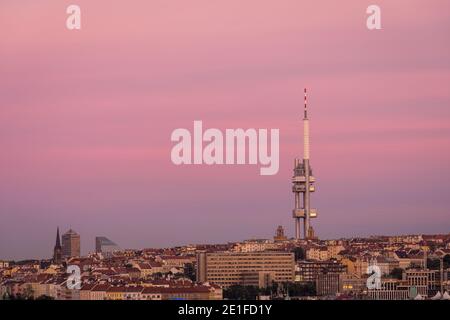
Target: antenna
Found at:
305, 116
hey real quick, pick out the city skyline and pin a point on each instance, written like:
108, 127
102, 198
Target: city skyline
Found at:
93, 245
86, 117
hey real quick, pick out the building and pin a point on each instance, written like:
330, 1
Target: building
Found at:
151, 293
190, 293
254, 245
85, 291
115, 293
98, 292
317, 253
279, 235
391, 289
70, 244
199, 292
57, 249
149, 268
427, 282
308, 271
250, 269
133, 293
351, 284
328, 284
416, 258
423, 282
386, 264
334, 250
105, 246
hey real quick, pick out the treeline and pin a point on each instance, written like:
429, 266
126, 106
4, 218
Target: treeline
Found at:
239, 292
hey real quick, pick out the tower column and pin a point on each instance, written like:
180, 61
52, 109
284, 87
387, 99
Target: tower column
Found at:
306, 199
297, 228
303, 184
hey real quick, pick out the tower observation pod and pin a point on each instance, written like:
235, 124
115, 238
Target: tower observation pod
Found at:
302, 186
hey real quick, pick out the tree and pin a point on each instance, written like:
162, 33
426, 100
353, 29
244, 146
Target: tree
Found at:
45, 297
189, 271
301, 289
299, 253
397, 273
433, 264
447, 261
238, 292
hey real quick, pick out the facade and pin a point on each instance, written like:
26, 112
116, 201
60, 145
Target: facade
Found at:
99, 292
428, 281
254, 245
423, 282
253, 268
391, 289
115, 293
151, 293
317, 253
308, 271
406, 260
386, 264
133, 293
85, 292
70, 244
352, 284
184, 292
328, 284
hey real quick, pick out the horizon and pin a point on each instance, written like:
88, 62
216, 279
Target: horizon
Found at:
227, 242
86, 118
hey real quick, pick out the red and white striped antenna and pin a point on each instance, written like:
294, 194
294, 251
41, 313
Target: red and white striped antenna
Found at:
306, 108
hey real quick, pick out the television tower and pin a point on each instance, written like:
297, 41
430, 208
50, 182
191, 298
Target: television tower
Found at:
303, 184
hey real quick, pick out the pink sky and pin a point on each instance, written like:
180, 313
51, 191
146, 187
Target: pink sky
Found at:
86, 118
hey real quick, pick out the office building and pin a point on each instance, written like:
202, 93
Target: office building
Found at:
245, 268
70, 244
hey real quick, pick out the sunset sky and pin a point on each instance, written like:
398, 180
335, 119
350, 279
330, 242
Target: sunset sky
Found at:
86, 118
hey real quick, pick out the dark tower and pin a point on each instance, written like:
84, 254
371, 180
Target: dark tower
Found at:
57, 250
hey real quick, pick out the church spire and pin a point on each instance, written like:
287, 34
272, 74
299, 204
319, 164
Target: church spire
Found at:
58, 242
57, 250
